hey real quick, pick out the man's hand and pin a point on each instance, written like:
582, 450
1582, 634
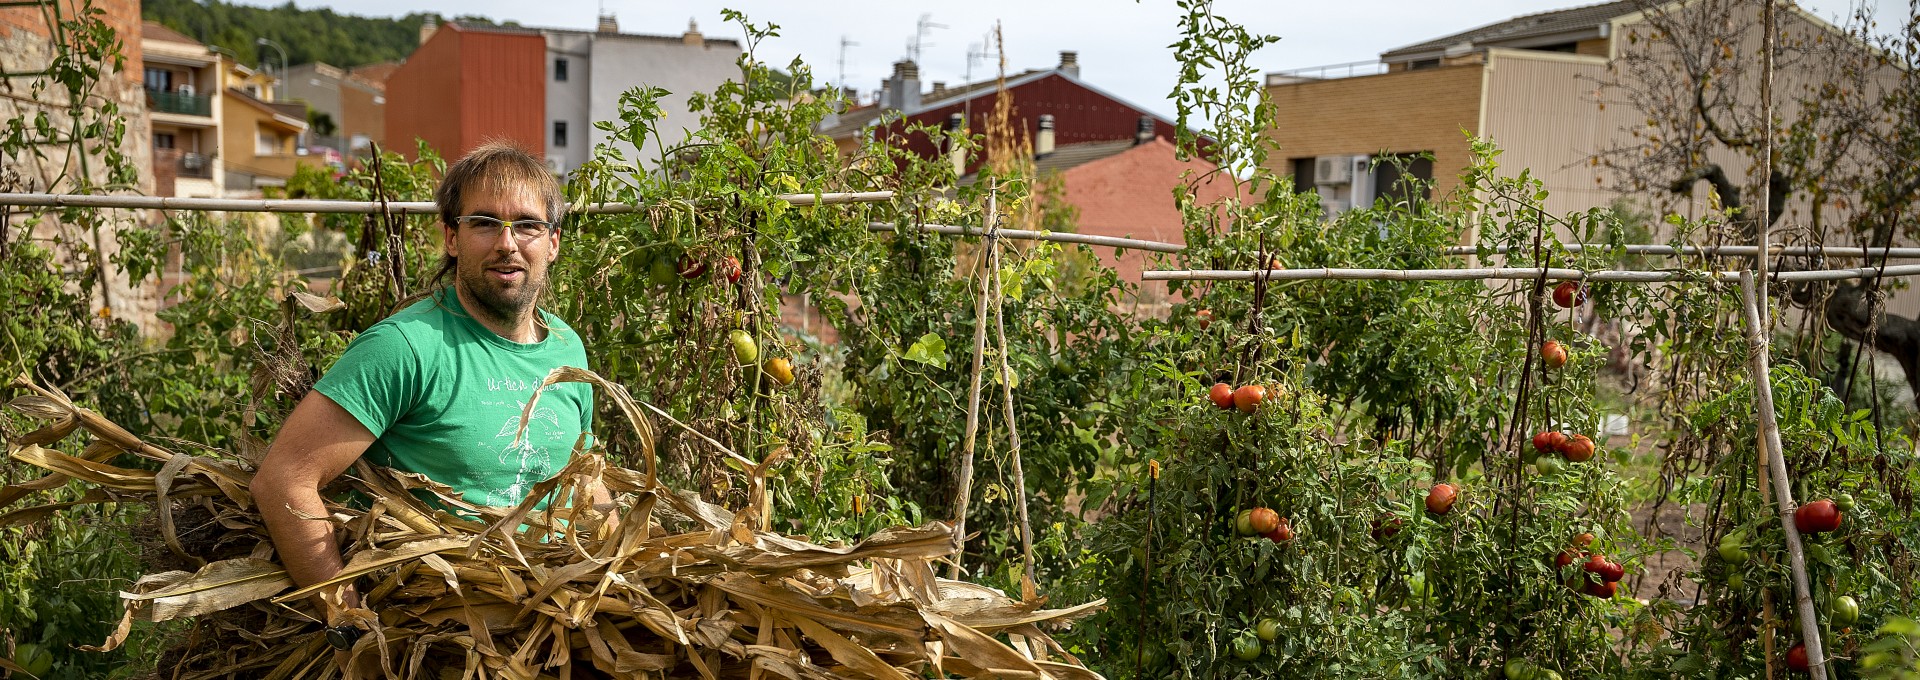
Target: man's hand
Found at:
318, 442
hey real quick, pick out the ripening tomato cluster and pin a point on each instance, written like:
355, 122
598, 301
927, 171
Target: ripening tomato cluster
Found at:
1598, 576
1247, 398
1575, 448
1263, 522
1569, 294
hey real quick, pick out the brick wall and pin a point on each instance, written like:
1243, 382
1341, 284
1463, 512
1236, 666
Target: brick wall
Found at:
1130, 195
1404, 112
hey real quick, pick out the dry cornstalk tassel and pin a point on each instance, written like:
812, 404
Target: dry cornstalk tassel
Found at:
675, 588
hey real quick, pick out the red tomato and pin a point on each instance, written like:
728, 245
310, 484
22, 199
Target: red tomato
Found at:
731, 267
1569, 294
1281, 533
1553, 354
1205, 316
1603, 590
1385, 527
1817, 517
1263, 520
1222, 395
1544, 442
1248, 397
1440, 498
1578, 448
1797, 658
1565, 558
690, 268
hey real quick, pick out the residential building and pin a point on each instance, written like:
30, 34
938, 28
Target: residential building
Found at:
448, 91
354, 104
1536, 86
183, 83
1081, 112
259, 134
588, 71
1124, 188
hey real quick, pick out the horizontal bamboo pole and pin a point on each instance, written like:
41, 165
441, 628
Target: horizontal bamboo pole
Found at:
1712, 251
282, 205
1030, 235
1513, 273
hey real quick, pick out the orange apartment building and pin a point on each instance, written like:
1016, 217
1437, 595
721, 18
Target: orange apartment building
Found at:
1531, 84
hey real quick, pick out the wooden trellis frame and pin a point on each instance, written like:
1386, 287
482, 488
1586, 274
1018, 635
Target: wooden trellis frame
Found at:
273, 205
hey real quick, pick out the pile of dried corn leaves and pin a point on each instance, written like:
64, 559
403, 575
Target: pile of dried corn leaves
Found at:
675, 588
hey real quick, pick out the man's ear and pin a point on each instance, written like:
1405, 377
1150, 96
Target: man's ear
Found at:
555, 250
446, 242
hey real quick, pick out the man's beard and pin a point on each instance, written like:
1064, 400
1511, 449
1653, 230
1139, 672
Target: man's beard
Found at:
498, 304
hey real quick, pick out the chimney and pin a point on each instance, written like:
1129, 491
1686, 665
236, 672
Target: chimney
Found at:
1043, 142
1144, 132
608, 24
956, 152
1070, 63
693, 36
427, 28
903, 89
939, 89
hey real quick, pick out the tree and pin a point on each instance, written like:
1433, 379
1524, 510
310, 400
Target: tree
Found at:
1835, 160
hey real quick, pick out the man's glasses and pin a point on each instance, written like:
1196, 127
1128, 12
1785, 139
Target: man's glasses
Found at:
489, 227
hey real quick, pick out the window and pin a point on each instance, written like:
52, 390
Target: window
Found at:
159, 79
1423, 63
559, 133
559, 70
163, 140
1303, 175
1406, 177
267, 144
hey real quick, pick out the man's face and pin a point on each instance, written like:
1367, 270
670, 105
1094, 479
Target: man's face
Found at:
496, 267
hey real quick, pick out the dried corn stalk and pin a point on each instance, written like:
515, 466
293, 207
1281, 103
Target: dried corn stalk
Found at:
674, 588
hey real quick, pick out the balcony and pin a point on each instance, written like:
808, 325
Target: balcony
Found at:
185, 165
180, 102
1330, 72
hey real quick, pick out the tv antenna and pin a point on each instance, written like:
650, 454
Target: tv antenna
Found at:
841, 80
920, 30
976, 52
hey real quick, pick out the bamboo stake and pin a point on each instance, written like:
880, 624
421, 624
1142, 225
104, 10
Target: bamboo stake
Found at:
1031, 235
354, 207
1512, 273
963, 494
1712, 251
1758, 343
1028, 591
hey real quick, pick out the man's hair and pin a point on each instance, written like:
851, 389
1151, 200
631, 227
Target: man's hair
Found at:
496, 165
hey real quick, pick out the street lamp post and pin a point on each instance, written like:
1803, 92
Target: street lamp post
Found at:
283, 59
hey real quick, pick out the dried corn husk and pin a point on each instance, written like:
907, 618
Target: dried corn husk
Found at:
675, 588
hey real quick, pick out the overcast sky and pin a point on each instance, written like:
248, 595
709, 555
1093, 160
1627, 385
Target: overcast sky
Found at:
1122, 44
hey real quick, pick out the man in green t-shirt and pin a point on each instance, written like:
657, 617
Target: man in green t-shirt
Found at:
439, 387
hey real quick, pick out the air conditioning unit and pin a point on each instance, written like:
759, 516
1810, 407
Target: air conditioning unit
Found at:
193, 161
1332, 170
185, 89
553, 164
1330, 207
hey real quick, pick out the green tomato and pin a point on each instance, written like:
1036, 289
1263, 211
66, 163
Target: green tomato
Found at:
743, 347
1818, 553
1268, 630
1243, 523
1734, 581
1843, 501
1519, 669
1417, 585
36, 660
661, 273
1732, 554
1549, 465
1844, 610
1547, 674
1246, 647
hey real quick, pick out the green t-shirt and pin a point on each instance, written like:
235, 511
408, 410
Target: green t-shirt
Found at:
443, 396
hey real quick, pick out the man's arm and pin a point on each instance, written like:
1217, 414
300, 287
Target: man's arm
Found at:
317, 443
